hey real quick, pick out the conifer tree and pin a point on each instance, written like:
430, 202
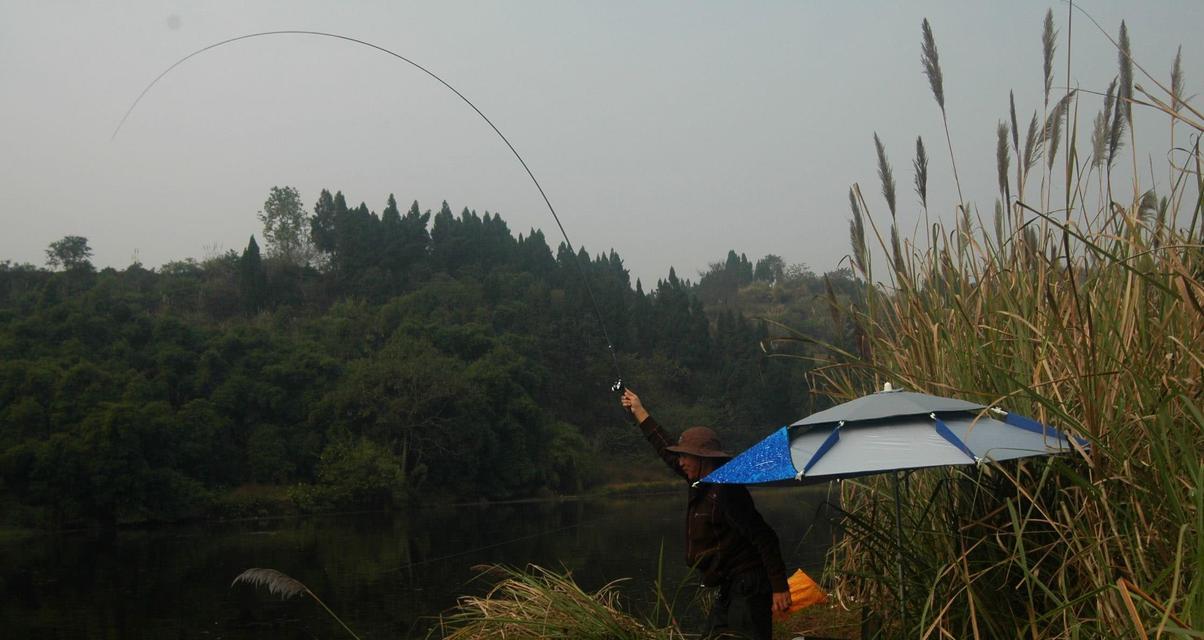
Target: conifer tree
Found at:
252, 279
321, 225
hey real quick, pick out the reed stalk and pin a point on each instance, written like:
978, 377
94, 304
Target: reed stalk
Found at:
932, 68
286, 587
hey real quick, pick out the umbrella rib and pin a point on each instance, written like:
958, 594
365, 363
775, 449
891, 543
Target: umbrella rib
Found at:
1028, 424
1036, 452
947, 434
828, 443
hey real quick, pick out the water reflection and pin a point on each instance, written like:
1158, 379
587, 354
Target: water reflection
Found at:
386, 575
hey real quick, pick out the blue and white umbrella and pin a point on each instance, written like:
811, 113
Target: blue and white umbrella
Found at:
892, 430
888, 431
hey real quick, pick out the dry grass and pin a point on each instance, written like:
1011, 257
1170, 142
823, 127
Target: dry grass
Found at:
826, 620
539, 603
1087, 314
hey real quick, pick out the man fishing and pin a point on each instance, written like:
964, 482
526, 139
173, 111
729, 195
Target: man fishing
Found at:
727, 540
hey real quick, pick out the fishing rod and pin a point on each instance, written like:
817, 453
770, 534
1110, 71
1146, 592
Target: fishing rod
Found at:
618, 384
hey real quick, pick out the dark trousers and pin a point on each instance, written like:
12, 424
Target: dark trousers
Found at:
742, 608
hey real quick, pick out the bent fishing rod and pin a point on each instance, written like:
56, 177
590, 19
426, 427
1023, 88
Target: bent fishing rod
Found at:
618, 384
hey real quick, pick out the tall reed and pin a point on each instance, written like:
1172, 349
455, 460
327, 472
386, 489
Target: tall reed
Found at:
1088, 315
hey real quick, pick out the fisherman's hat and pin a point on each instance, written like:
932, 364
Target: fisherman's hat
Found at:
699, 441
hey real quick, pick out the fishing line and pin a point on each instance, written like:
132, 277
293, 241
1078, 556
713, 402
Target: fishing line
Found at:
618, 385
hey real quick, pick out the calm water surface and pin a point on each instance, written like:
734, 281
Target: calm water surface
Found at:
386, 575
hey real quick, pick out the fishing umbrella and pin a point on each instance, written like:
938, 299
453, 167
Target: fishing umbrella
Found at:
891, 430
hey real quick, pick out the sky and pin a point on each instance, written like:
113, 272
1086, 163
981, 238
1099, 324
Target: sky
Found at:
670, 132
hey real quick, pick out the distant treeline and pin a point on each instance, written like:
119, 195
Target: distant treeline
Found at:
369, 360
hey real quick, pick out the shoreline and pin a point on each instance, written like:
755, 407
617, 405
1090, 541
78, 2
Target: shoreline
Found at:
273, 503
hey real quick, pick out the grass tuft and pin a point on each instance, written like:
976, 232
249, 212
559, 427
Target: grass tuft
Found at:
885, 175
1049, 44
920, 164
277, 583
286, 587
538, 603
1177, 80
932, 64
1002, 160
1053, 126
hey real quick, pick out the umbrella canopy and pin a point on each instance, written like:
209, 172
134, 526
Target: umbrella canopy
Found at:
887, 431
890, 430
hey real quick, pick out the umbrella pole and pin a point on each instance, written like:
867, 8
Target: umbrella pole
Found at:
899, 552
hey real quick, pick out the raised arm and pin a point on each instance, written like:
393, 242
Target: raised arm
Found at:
652, 431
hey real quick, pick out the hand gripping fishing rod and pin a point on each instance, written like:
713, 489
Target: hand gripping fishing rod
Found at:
618, 385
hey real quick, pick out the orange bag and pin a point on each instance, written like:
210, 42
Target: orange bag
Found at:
803, 593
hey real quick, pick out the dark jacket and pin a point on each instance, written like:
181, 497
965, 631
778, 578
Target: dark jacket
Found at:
725, 535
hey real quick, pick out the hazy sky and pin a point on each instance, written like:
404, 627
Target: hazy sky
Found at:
668, 131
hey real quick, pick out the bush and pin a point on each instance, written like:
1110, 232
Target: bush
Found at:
253, 501
356, 474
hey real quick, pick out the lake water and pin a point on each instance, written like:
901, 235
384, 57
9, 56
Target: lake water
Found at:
386, 575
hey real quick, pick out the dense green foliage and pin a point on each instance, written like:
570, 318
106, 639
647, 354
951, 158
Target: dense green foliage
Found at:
381, 359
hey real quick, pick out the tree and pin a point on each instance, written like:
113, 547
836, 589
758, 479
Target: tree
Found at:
70, 253
771, 269
252, 280
321, 225
285, 227
415, 239
403, 398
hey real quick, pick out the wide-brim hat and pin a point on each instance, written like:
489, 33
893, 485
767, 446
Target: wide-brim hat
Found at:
699, 441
